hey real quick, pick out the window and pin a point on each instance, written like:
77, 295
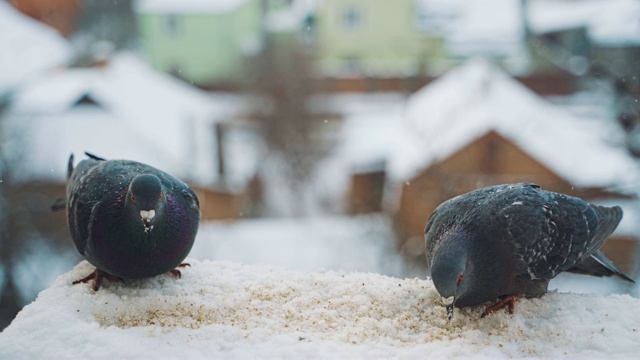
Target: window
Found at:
351, 19
172, 24
351, 66
86, 100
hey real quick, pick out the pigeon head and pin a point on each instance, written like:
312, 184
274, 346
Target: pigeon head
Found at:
448, 270
145, 198
455, 271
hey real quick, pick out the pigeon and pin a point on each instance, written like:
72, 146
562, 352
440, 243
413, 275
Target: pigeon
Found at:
128, 219
508, 241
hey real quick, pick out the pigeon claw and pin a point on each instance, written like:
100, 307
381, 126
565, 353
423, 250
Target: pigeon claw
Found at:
176, 272
97, 276
508, 301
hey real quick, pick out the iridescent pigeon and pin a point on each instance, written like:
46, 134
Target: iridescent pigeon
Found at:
129, 220
507, 241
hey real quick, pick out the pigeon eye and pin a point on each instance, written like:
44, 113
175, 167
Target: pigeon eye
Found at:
460, 277
161, 196
132, 198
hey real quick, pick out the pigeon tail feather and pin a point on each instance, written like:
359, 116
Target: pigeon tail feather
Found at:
599, 265
608, 220
596, 263
94, 157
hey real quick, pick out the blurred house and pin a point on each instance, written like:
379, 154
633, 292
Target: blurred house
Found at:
126, 110
597, 41
58, 14
581, 37
31, 50
207, 43
479, 127
93, 26
366, 189
34, 49
357, 46
351, 41
419, 41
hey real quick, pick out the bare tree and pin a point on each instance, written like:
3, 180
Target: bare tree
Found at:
103, 27
292, 133
9, 300
26, 225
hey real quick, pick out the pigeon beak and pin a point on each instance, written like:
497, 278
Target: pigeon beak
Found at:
450, 308
147, 215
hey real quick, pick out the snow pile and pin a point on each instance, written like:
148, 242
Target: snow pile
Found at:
30, 48
361, 243
228, 310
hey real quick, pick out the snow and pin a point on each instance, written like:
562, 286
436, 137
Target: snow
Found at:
230, 310
187, 6
34, 48
474, 35
608, 22
554, 15
290, 18
370, 127
617, 24
305, 244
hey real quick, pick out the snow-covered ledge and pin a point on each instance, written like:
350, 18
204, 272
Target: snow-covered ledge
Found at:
227, 310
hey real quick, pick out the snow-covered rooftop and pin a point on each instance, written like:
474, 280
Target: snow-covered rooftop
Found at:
461, 106
474, 34
608, 22
477, 97
187, 6
29, 48
291, 17
227, 310
129, 111
618, 24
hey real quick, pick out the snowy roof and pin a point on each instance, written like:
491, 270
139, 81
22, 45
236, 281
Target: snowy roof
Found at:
370, 127
227, 310
291, 17
472, 33
618, 24
188, 6
29, 47
477, 97
612, 22
137, 114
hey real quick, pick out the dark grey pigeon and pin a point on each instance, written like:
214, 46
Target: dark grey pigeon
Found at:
130, 220
507, 241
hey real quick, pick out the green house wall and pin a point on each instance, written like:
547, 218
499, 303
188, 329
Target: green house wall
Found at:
203, 48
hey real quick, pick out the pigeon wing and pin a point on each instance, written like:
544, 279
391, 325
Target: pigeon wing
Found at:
80, 201
553, 232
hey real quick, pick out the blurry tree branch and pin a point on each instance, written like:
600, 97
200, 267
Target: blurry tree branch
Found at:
102, 28
9, 299
292, 133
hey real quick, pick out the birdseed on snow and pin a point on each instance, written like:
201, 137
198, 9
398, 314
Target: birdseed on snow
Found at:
229, 310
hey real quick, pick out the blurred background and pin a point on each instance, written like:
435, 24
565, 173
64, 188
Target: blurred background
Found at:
318, 134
